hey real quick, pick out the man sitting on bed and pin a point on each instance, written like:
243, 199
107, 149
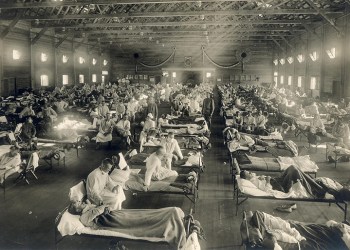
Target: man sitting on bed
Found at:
9, 163
154, 169
285, 181
101, 189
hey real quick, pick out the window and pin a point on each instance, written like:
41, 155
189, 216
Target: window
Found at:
81, 60
282, 61
300, 58
275, 62
331, 53
275, 79
16, 55
65, 59
64, 79
94, 61
43, 57
105, 72
290, 60
282, 80
208, 74
314, 56
94, 78
300, 81
290, 80
81, 79
103, 79
174, 74
44, 80
105, 62
313, 82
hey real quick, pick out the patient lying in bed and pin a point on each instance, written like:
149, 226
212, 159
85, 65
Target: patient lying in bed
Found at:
166, 223
269, 232
292, 178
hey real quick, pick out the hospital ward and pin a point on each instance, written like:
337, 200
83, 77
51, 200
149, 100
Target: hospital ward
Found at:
174, 124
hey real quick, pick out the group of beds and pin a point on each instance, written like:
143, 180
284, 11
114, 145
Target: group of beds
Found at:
168, 225
261, 230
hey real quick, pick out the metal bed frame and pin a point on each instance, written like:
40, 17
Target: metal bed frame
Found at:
237, 194
59, 237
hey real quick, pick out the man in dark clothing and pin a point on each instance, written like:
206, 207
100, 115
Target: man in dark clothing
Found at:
152, 108
208, 108
28, 132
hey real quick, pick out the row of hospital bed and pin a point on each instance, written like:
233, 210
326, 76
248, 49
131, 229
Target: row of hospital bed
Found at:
181, 185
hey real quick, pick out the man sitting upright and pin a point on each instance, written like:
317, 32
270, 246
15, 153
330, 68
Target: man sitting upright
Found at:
9, 163
100, 188
154, 169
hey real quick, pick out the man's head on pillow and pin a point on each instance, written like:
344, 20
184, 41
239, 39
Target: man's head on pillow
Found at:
244, 174
76, 207
106, 165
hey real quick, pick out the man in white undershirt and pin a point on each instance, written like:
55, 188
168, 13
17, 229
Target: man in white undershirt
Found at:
154, 169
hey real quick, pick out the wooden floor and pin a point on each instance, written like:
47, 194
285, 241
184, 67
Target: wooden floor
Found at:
28, 212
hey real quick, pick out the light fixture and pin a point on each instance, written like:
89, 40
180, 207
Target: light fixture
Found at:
94, 61
202, 17
105, 62
290, 60
275, 61
282, 61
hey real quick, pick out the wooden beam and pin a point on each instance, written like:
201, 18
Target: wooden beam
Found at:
168, 14
311, 31
14, 5
61, 40
13, 23
170, 24
39, 35
324, 15
286, 41
278, 44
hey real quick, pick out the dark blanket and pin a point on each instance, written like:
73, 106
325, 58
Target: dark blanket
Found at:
144, 224
318, 236
291, 175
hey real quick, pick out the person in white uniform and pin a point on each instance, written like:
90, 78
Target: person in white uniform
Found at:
101, 190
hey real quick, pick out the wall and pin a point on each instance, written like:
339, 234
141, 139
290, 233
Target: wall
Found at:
332, 74
29, 68
258, 69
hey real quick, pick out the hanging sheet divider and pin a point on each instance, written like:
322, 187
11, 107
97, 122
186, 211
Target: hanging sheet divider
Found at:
160, 64
217, 64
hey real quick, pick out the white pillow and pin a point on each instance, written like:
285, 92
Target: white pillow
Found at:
69, 224
77, 192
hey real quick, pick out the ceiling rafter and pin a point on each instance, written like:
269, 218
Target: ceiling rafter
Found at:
178, 13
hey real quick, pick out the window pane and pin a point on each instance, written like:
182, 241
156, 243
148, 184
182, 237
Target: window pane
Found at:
103, 79
282, 80
44, 80
16, 55
81, 78
43, 57
290, 80
313, 83
94, 78
65, 79
300, 81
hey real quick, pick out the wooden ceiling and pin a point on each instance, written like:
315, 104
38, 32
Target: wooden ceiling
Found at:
154, 27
